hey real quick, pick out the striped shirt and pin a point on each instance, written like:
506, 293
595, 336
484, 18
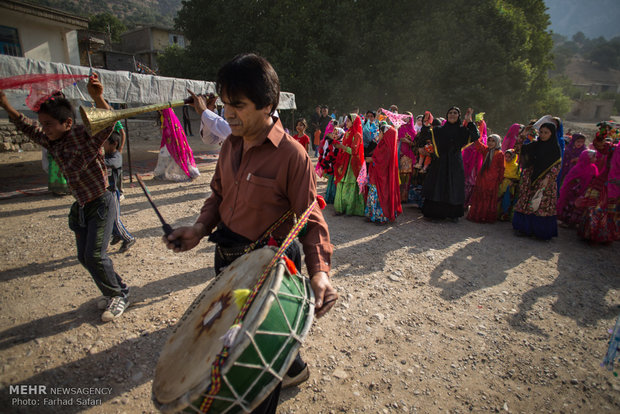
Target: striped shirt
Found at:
80, 157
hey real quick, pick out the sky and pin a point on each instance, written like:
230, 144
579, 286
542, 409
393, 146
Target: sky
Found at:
592, 17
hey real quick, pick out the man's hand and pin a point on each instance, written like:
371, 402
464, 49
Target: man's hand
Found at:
189, 236
325, 295
211, 101
199, 102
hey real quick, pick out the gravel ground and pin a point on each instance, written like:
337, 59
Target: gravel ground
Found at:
433, 317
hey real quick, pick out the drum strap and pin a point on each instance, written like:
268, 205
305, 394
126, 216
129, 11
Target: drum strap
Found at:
270, 230
229, 337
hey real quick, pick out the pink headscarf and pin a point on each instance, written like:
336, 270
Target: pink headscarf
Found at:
173, 137
511, 137
472, 159
405, 129
584, 171
329, 128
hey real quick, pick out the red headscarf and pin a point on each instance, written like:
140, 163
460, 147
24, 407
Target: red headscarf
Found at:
384, 174
352, 139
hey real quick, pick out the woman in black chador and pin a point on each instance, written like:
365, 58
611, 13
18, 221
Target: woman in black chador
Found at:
444, 185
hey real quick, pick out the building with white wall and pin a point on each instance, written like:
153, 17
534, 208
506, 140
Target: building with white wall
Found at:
39, 33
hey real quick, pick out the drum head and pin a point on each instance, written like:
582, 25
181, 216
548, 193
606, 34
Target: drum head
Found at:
185, 362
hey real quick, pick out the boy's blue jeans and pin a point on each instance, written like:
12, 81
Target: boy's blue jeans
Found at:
92, 225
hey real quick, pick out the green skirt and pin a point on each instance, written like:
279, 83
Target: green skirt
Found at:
348, 199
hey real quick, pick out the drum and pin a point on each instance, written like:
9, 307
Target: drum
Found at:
271, 333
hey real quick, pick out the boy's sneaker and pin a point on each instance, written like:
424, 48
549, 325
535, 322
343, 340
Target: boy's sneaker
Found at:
102, 302
126, 245
115, 240
115, 308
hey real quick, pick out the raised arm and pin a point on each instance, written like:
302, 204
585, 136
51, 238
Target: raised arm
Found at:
95, 90
4, 103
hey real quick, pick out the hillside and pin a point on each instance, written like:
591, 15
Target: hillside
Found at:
593, 17
130, 12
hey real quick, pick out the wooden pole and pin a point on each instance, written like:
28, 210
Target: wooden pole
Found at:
128, 150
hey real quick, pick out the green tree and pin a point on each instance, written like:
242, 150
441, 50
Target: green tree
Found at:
493, 55
107, 23
173, 62
607, 54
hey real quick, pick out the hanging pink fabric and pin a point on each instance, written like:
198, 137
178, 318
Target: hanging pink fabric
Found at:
396, 119
173, 137
40, 86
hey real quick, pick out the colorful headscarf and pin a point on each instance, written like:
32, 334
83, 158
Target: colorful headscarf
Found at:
173, 137
407, 129
329, 128
352, 139
472, 159
369, 132
584, 171
571, 155
384, 173
511, 137
489, 156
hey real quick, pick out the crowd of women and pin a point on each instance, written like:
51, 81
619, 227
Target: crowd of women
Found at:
536, 176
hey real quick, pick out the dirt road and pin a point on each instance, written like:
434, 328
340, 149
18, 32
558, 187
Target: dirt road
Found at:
433, 317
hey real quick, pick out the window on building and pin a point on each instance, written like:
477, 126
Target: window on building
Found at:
9, 41
177, 40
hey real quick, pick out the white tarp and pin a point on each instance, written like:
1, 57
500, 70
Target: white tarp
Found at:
134, 89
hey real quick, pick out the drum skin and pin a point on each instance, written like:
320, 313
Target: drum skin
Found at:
272, 331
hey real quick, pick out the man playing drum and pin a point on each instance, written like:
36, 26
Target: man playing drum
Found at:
261, 174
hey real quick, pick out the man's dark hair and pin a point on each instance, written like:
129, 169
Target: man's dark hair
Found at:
115, 139
58, 107
251, 76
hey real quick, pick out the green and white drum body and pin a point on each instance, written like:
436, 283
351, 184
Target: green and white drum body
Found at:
272, 331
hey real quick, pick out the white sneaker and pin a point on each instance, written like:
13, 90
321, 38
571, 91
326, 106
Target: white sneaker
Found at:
115, 308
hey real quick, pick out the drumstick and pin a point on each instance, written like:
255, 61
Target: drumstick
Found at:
165, 226
329, 301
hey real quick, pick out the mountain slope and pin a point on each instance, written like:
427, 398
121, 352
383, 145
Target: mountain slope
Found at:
130, 12
592, 17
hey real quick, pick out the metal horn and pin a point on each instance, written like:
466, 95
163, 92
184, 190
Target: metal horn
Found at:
96, 119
